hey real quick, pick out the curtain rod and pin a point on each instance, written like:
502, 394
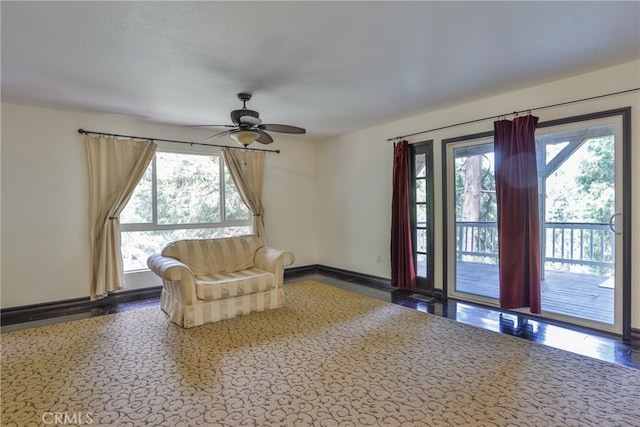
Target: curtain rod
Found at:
515, 113
87, 132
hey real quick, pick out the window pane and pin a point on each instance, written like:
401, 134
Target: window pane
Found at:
552, 150
139, 209
188, 188
421, 190
234, 207
421, 214
422, 240
189, 191
581, 189
422, 218
421, 267
421, 166
137, 246
475, 220
475, 183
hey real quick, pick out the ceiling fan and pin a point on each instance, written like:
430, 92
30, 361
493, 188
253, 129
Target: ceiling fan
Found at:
247, 126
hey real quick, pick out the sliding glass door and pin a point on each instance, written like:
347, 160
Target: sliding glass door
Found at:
579, 205
472, 229
583, 181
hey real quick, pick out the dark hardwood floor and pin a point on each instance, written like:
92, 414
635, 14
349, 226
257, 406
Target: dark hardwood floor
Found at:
606, 347
602, 346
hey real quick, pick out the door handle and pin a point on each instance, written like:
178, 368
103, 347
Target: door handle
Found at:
613, 224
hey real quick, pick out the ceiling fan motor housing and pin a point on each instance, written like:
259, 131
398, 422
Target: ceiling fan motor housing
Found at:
248, 127
236, 114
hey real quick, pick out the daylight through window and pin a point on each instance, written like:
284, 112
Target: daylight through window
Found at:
180, 196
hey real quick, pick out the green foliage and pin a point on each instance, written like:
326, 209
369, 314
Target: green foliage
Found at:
582, 189
189, 190
596, 179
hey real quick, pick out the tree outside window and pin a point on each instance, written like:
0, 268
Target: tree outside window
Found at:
180, 196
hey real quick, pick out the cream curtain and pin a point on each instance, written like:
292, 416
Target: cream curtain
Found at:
115, 167
247, 172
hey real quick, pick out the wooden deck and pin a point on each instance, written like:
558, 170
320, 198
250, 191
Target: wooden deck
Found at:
578, 295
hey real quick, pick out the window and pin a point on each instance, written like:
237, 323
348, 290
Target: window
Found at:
180, 196
421, 176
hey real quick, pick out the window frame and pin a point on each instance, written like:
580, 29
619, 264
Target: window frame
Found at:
423, 283
155, 226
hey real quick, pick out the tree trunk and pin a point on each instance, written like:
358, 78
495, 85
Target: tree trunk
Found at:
472, 189
471, 204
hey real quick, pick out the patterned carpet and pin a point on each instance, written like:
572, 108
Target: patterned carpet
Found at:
330, 358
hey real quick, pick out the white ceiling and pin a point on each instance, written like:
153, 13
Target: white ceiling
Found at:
331, 67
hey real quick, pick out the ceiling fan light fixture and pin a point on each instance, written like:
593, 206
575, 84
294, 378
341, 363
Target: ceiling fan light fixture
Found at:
248, 127
245, 137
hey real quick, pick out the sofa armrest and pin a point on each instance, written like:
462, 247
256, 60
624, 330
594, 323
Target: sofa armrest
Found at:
168, 268
273, 260
268, 258
177, 278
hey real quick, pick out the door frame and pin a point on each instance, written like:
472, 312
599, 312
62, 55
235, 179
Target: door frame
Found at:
423, 284
625, 115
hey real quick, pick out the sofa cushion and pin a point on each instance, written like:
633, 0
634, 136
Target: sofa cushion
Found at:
228, 285
213, 256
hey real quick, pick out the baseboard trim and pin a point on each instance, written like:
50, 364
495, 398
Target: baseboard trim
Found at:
292, 273
28, 313
359, 278
338, 273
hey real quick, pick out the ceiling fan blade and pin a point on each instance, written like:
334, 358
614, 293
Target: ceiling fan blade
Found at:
264, 137
208, 126
282, 128
218, 135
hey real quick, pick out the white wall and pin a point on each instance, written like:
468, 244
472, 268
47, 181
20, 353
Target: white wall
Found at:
45, 245
354, 192
328, 202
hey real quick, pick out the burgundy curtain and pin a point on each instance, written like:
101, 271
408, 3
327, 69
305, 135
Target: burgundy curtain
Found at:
403, 275
518, 215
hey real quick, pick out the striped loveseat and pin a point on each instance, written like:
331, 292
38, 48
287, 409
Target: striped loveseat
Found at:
209, 280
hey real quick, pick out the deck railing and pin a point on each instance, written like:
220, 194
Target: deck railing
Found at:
477, 239
563, 242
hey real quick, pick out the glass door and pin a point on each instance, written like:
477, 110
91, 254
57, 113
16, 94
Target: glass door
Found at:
473, 227
581, 199
421, 170
584, 217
